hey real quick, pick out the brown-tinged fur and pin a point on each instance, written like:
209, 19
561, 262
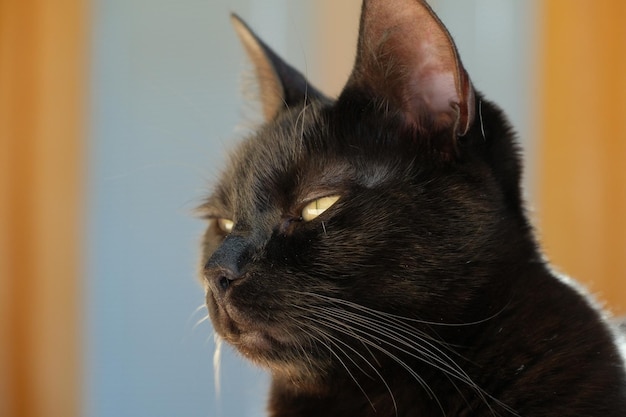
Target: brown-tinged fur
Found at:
421, 291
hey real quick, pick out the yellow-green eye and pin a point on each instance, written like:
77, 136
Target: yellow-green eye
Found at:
225, 225
317, 207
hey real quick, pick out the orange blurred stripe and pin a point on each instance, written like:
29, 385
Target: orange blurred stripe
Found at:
582, 142
42, 74
336, 39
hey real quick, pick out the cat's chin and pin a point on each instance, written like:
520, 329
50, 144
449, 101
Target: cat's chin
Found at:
257, 341
278, 352
272, 346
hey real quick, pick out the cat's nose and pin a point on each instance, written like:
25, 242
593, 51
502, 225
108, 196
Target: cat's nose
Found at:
221, 278
226, 264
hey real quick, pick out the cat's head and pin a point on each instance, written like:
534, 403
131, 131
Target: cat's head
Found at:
399, 197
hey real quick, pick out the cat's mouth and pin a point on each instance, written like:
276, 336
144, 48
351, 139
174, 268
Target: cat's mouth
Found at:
251, 337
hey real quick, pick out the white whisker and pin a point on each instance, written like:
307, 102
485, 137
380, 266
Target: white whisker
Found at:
379, 330
199, 322
480, 116
301, 120
196, 311
217, 357
342, 327
346, 367
333, 341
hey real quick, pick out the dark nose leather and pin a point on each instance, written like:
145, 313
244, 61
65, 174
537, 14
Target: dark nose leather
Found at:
227, 263
221, 278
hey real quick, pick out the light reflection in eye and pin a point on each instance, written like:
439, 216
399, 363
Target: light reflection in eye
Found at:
317, 207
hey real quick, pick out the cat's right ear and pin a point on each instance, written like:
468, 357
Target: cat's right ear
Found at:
280, 85
407, 58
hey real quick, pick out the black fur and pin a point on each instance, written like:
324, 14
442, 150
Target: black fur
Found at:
421, 292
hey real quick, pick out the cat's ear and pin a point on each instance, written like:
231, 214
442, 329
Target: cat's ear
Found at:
280, 85
407, 58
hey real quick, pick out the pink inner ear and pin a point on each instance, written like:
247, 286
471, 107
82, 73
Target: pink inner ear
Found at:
432, 93
407, 56
438, 90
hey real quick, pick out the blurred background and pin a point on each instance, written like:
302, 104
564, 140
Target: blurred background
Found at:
115, 116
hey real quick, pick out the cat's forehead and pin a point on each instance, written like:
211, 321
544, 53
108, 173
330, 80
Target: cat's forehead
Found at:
279, 145
291, 155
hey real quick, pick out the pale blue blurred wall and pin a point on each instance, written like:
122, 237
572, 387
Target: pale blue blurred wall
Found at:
497, 41
166, 105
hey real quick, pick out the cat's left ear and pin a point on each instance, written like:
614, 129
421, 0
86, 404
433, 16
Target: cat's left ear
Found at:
407, 58
281, 86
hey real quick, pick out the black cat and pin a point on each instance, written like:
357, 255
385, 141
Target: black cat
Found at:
373, 253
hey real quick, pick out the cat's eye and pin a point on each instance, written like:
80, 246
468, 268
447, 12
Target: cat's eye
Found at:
225, 225
317, 207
